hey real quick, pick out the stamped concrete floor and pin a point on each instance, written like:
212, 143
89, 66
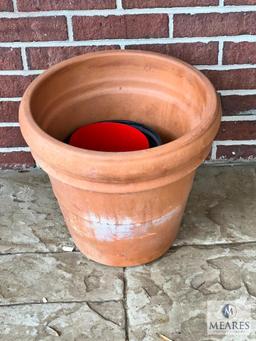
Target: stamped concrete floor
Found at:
48, 292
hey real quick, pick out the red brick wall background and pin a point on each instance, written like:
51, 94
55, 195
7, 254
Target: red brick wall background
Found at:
217, 36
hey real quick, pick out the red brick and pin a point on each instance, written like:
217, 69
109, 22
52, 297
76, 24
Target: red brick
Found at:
53, 5
10, 59
11, 137
214, 24
6, 5
232, 79
33, 29
237, 130
245, 152
14, 86
16, 160
126, 26
193, 53
9, 111
167, 3
240, 2
239, 53
209, 156
43, 57
232, 105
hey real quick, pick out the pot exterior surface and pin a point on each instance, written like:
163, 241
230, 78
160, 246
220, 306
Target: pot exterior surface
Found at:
123, 229
125, 208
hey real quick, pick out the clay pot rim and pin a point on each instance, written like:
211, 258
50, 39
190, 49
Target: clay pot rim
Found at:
170, 147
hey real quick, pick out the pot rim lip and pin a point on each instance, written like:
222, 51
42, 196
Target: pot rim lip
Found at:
168, 148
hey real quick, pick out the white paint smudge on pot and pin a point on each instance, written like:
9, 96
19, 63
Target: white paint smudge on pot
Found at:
108, 229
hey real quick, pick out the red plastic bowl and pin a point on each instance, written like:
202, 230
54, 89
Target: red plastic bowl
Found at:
109, 137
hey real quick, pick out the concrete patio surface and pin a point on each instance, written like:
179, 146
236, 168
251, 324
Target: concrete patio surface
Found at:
48, 292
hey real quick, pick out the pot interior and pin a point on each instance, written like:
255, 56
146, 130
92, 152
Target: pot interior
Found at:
161, 93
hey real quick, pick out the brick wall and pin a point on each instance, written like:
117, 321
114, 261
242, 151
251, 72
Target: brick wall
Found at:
217, 36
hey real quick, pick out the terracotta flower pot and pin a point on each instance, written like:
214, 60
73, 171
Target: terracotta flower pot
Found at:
125, 208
